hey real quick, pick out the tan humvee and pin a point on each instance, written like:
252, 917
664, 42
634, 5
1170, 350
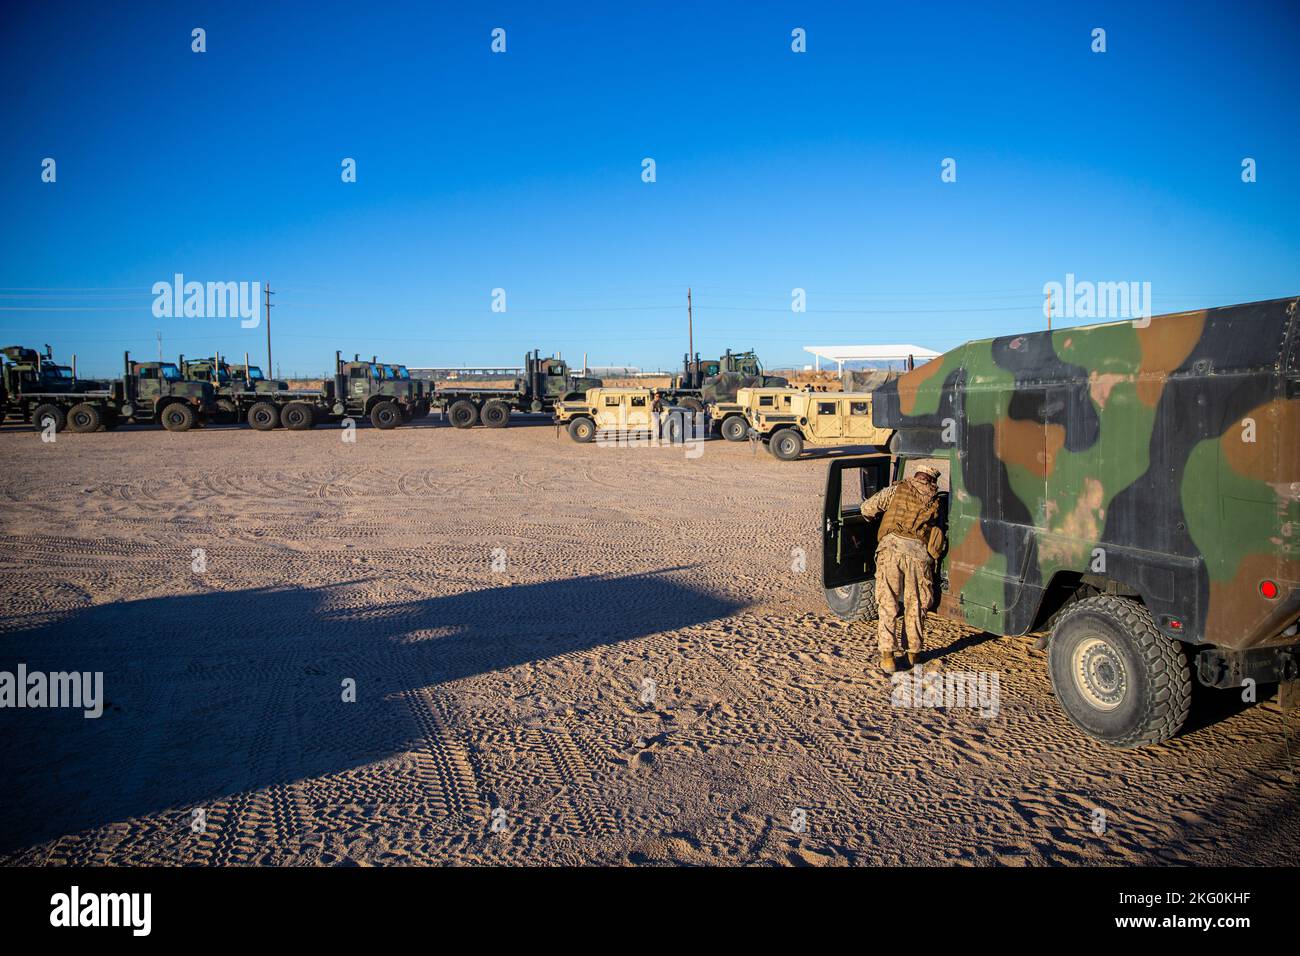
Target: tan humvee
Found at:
617, 411
786, 419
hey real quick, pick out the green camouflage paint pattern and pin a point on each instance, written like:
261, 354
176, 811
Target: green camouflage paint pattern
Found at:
1116, 451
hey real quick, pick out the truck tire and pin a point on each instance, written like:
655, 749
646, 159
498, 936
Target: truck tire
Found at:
786, 444
582, 430
496, 414
735, 428
263, 416
298, 416
49, 411
853, 602
1117, 678
385, 415
463, 413
227, 412
177, 417
84, 418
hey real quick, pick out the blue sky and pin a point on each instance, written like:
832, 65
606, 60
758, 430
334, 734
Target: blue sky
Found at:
522, 171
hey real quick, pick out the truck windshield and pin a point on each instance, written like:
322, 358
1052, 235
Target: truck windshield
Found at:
254, 374
223, 377
170, 372
376, 374
59, 371
400, 371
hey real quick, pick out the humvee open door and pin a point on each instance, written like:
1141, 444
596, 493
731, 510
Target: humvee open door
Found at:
848, 539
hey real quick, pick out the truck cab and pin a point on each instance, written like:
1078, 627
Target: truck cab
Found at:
372, 390
706, 384
160, 392
549, 380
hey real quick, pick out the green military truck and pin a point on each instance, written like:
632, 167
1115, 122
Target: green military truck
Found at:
149, 392
710, 387
545, 382
363, 389
244, 394
1129, 491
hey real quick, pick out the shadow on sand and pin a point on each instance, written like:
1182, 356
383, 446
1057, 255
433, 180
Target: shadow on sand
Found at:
218, 693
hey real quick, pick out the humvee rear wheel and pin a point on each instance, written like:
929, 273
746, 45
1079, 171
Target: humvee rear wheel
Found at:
734, 428
298, 416
83, 418
582, 430
786, 444
263, 416
385, 415
1115, 675
853, 602
463, 413
177, 417
46, 413
496, 414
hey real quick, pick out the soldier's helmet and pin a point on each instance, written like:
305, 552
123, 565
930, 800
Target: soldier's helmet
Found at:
928, 471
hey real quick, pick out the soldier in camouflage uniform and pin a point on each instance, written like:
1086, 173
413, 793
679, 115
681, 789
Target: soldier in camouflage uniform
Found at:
904, 566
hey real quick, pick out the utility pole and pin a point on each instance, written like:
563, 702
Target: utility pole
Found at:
269, 293
690, 329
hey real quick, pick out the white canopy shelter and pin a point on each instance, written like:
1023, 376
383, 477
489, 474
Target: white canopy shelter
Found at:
839, 354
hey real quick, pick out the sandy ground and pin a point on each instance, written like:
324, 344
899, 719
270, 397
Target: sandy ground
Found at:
499, 713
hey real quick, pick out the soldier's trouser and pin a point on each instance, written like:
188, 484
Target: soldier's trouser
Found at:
902, 578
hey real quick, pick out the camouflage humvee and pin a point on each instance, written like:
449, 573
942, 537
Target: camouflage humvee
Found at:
619, 411
786, 419
1133, 489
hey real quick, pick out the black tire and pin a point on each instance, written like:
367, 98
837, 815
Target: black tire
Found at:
298, 416
49, 411
582, 430
853, 602
177, 417
386, 415
786, 444
84, 418
735, 428
227, 412
1117, 678
263, 416
496, 414
463, 413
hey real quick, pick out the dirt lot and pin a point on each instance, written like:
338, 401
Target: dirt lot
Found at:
500, 711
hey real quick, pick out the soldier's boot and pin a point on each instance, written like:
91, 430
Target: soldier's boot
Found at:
887, 663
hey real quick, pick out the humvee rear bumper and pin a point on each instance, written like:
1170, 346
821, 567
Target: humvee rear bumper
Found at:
1223, 668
